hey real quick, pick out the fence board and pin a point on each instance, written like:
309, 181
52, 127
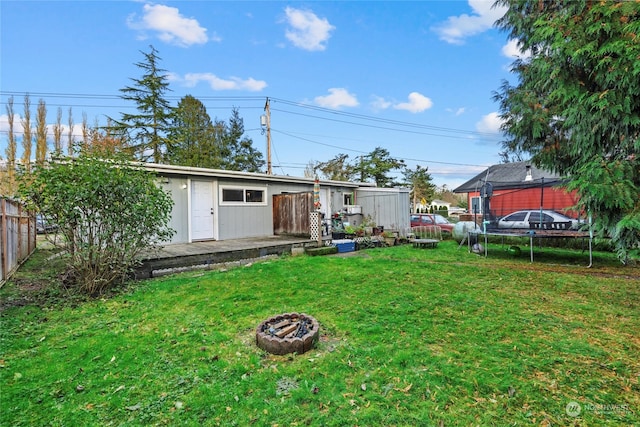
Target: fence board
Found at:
291, 213
17, 237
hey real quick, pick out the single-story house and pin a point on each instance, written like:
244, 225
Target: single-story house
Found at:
212, 204
505, 188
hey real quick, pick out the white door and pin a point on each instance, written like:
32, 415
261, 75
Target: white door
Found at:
201, 210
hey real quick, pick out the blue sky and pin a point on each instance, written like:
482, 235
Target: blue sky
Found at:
415, 78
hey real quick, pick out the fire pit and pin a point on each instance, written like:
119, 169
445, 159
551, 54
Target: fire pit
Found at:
288, 333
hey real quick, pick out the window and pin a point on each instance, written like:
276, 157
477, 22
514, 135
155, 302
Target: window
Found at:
535, 217
232, 195
518, 216
427, 220
476, 205
254, 196
242, 196
441, 220
348, 199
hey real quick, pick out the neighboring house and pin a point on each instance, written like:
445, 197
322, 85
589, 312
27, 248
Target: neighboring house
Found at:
436, 204
212, 204
516, 186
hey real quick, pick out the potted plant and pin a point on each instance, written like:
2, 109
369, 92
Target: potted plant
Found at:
350, 232
389, 238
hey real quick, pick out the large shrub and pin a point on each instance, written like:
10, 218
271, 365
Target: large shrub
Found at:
107, 212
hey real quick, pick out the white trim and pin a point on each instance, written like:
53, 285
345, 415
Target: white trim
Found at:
189, 212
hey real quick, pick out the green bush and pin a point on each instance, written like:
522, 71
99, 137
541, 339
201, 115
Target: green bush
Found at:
107, 213
324, 250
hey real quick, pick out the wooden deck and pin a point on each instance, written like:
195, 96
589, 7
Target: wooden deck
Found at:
178, 256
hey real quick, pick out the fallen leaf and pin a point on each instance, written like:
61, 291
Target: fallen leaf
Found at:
178, 405
404, 390
133, 408
363, 387
118, 389
112, 359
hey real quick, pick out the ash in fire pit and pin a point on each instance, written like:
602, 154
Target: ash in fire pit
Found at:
288, 333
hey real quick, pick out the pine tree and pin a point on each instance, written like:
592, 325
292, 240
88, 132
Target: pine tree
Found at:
146, 130
241, 155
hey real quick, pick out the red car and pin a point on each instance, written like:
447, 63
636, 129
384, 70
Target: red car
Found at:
432, 219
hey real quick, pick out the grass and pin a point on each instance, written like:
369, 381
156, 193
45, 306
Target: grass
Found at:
409, 337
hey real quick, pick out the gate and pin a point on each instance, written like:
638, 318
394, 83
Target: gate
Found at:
291, 213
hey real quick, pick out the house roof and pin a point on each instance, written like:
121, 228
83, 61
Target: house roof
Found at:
510, 175
219, 173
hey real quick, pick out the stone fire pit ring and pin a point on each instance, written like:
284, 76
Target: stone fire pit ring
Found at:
288, 333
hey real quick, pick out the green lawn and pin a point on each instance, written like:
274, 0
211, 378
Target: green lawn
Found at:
409, 337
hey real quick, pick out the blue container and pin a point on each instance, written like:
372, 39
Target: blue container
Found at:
345, 245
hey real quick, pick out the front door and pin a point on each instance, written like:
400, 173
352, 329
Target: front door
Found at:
201, 210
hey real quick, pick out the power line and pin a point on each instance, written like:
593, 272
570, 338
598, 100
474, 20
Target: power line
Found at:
364, 152
326, 111
352, 119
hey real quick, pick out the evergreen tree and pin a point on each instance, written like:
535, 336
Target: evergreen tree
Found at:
240, 155
576, 107
376, 166
420, 182
146, 130
192, 139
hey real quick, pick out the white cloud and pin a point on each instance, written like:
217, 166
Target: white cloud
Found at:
490, 123
170, 26
217, 83
417, 103
458, 112
4, 124
307, 31
513, 50
379, 103
457, 28
338, 97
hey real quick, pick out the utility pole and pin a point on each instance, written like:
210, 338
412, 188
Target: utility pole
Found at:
268, 125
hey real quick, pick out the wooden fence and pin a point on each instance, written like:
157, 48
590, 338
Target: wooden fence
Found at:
17, 237
291, 213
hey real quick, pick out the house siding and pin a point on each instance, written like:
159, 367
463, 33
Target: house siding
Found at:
388, 207
504, 202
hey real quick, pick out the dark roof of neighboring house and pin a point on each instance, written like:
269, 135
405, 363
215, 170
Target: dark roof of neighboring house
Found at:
510, 175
